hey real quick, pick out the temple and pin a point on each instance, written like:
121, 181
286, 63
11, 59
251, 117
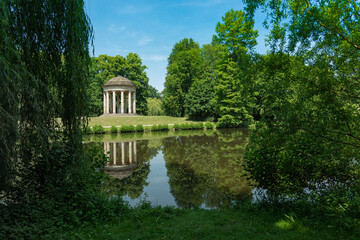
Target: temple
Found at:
119, 96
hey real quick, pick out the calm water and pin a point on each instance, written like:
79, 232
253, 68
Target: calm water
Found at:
182, 169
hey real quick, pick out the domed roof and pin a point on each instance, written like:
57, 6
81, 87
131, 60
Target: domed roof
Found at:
119, 81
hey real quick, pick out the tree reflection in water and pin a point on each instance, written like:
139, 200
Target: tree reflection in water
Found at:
207, 169
203, 168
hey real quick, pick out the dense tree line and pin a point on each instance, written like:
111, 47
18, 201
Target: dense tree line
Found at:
303, 95
214, 81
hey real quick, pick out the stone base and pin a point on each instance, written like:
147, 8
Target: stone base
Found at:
120, 115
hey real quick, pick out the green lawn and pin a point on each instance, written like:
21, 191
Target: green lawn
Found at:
143, 120
246, 222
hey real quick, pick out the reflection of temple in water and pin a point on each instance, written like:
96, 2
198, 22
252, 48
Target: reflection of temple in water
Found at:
122, 158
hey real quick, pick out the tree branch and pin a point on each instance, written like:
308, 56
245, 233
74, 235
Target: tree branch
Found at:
335, 31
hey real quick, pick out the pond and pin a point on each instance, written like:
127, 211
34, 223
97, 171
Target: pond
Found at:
184, 169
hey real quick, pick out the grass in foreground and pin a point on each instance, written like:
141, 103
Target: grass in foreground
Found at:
143, 120
244, 222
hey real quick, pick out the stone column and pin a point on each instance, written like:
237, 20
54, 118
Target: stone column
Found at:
134, 151
107, 102
130, 152
134, 102
117, 103
110, 102
125, 106
122, 101
114, 102
104, 102
129, 102
123, 153
114, 152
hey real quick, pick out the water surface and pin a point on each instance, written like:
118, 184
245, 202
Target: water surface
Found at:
183, 169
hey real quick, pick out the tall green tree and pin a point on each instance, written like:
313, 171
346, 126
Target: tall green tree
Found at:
199, 102
184, 66
105, 67
236, 32
314, 138
233, 95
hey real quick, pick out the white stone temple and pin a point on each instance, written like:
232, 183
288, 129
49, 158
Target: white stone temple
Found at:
119, 96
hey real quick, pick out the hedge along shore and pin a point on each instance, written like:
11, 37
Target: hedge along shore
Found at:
98, 129
137, 120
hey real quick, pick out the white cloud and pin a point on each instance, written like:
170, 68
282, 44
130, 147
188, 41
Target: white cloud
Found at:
116, 29
134, 9
144, 40
156, 58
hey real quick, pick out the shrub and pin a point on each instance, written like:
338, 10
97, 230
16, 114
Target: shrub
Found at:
199, 125
86, 130
163, 127
139, 128
154, 127
113, 129
228, 121
127, 128
176, 126
98, 129
209, 125
184, 126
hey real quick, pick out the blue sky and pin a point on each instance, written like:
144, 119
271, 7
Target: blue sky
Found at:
150, 28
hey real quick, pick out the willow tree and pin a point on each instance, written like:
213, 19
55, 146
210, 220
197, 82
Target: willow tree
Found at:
44, 57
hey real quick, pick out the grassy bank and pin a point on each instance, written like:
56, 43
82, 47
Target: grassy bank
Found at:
143, 120
243, 222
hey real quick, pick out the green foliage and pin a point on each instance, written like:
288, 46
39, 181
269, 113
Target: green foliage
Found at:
43, 76
196, 125
105, 67
163, 127
209, 125
228, 121
113, 129
86, 129
139, 128
198, 101
127, 128
65, 202
176, 126
236, 33
154, 93
236, 70
184, 126
308, 138
154, 107
154, 127
183, 68
98, 129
